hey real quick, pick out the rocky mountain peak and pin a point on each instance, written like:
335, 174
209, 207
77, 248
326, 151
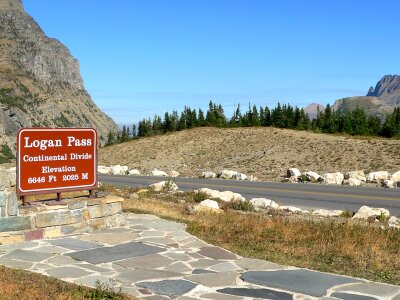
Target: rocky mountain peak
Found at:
40, 81
388, 88
11, 5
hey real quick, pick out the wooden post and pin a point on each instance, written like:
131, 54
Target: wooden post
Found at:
91, 193
23, 198
58, 196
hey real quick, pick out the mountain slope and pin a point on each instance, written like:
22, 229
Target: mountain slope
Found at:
40, 82
264, 151
379, 101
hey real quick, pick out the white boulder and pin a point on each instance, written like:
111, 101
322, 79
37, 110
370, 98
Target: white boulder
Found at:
263, 203
396, 177
359, 175
159, 173
291, 209
366, 212
208, 174
134, 172
227, 174
239, 176
209, 203
327, 213
333, 178
252, 178
311, 176
379, 176
388, 184
119, 170
164, 186
103, 170
293, 172
352, 182
173, 173
226, 196
394, 222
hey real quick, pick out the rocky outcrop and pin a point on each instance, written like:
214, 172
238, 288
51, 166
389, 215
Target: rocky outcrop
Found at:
388, 88
40, 81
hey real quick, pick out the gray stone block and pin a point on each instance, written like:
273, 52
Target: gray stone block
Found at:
257, 293
113, 208
171, 288
301, 281
28, 255
55, 218
96, 211
4, 180
3, 197
77, 205
15, 224
12, 204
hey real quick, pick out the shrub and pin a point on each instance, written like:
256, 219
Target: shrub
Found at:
238, 205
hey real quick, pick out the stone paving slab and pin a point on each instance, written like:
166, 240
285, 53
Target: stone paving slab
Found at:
151, 258
118, 252
171, 288
257, 293
301, 281
74, 244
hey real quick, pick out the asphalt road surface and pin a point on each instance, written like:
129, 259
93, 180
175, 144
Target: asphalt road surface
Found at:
306, 196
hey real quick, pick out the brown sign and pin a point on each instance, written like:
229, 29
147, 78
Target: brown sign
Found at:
56, 160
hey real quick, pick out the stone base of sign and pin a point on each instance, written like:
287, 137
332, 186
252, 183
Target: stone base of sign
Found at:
53, 219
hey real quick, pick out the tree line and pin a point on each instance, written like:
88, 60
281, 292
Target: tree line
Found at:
354, 122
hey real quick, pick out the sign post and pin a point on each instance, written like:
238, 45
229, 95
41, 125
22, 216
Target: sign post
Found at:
56, 160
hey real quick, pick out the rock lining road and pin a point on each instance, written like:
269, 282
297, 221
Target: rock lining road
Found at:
153, 258
305, 196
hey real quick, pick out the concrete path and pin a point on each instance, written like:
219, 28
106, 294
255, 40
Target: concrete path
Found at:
153, 258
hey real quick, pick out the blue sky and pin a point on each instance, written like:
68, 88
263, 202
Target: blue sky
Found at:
144, 57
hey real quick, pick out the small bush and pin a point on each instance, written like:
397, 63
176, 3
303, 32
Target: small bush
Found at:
238, 205
200, 196
346, 214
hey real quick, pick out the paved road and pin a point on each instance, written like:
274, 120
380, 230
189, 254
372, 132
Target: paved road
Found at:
300, 195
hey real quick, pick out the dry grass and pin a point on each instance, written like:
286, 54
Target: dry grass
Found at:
24, 285
338, 247
263, 152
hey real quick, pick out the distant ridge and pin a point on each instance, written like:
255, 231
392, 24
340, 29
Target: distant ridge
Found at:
312, 110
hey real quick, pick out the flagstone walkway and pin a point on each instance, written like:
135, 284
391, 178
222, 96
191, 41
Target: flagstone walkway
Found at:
153, 258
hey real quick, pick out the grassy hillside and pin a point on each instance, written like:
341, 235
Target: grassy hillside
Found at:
372, 106
263, 152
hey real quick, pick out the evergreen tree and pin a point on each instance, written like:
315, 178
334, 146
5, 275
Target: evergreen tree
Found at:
201, 120
134, 132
